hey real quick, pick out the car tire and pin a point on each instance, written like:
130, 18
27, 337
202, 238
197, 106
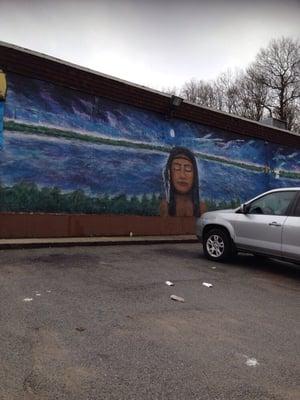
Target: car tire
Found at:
217, 245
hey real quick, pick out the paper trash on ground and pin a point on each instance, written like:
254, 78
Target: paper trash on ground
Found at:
169, 283
252, 362
207, 284
177, 298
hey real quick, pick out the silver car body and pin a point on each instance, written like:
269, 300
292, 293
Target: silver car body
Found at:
272, 235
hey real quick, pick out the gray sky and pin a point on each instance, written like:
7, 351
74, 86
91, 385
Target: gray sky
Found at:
150, 42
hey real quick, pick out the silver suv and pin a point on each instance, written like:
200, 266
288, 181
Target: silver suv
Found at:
268, 225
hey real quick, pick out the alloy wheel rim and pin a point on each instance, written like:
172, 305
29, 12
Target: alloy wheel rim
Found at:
215, 246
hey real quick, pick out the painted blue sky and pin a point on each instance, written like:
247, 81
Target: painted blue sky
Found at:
43, 103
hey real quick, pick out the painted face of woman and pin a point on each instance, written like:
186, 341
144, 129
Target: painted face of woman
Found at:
182, 174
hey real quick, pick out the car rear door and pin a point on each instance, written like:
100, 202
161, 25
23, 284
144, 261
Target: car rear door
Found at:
291, 233
260, 230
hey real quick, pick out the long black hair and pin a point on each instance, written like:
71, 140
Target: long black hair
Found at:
169, 186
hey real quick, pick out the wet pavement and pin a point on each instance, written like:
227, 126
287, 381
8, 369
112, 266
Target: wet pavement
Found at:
91, 323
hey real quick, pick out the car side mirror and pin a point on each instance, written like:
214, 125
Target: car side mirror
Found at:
244, 208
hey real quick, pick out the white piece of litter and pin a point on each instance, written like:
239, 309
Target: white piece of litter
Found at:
207, 284
28, 299
213, 267
169, 283
38, 294
48, 291
177, 298
252, 362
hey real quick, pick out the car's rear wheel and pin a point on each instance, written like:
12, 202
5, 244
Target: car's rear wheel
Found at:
217, 245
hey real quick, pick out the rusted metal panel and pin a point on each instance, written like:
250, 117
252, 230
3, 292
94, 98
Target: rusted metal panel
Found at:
22, 225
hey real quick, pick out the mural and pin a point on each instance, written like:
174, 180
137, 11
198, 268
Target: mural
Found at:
3, 89
69, 152
181, 184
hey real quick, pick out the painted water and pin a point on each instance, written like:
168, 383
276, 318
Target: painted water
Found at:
104, 169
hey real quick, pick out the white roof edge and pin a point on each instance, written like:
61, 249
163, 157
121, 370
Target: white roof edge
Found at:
243, 118
79, 67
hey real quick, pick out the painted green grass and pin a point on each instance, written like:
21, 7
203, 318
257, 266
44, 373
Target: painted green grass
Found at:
289, 174
28, 197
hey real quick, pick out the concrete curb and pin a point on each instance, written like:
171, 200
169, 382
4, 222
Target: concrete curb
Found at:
33, 243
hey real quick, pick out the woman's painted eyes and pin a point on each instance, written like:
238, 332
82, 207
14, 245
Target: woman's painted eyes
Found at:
179, 167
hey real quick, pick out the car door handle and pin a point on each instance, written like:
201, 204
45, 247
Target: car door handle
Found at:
274, 223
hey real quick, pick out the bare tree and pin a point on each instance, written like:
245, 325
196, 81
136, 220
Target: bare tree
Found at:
171, 90
277, 68
206, 94
199, 92
253, 96
293, 116
227, 92
269, 86
189, 91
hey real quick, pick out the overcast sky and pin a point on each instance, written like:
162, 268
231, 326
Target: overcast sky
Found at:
156, 43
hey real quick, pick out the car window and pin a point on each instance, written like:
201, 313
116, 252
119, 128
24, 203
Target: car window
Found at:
272, 204
297, 209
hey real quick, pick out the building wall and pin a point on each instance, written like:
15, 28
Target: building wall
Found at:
67, 152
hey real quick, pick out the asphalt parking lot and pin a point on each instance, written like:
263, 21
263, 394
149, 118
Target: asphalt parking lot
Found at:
89, 323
